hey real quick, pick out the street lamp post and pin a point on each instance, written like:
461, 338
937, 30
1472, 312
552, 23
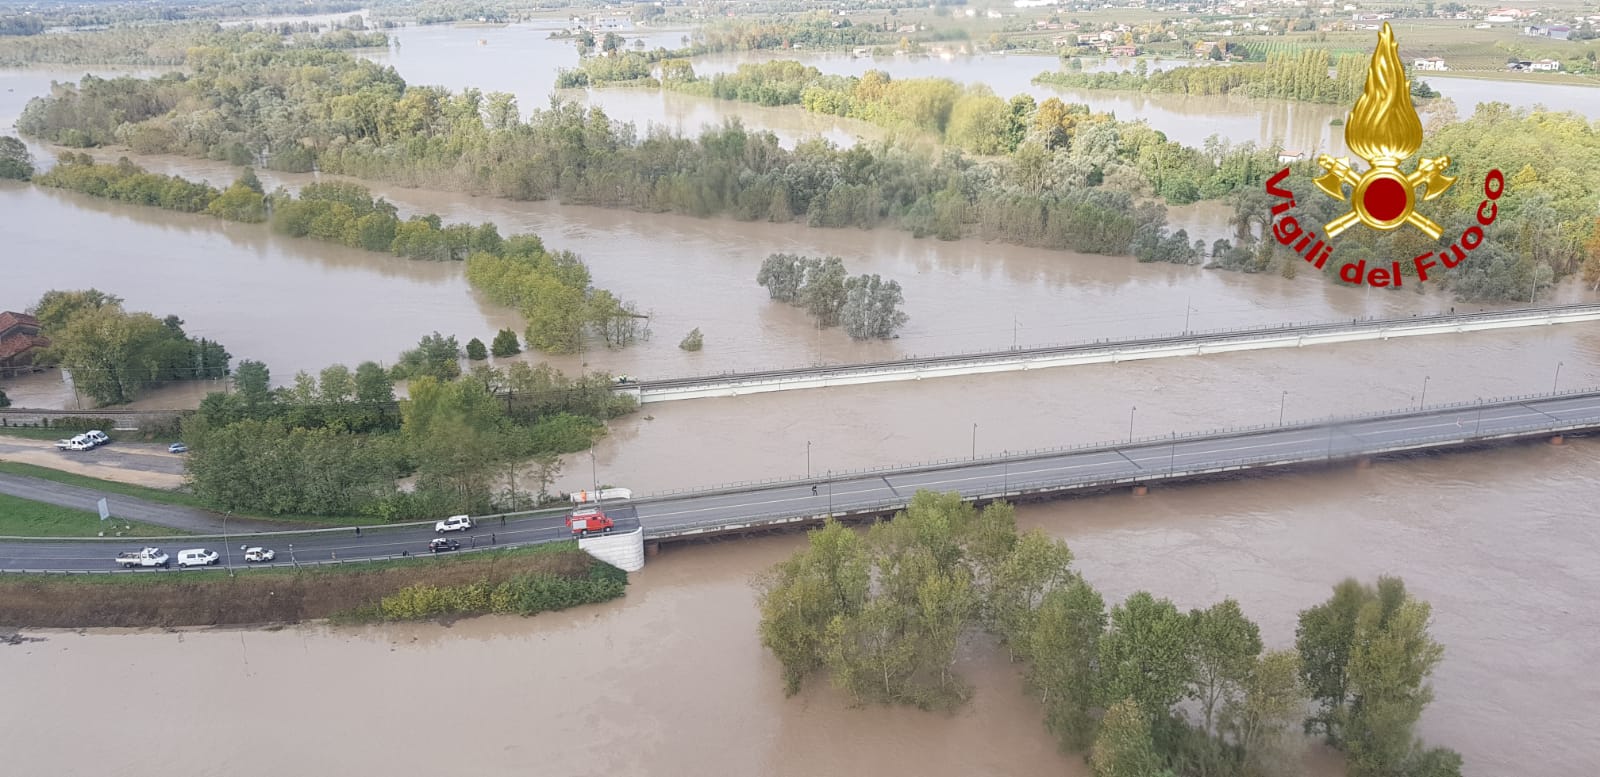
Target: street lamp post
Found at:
1424, 402
292, 559
1130, 422
1557, 381
1283, 402
830, 492
1172, 458
1005, 473
1479, 426
808, 459
227, 546
974, 441
1188, 307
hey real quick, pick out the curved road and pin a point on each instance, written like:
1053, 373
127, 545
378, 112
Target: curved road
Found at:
710, 511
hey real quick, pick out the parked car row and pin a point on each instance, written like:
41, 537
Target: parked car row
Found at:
89, 440
193, 557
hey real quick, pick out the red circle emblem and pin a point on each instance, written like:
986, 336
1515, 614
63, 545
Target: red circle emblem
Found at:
1385, 199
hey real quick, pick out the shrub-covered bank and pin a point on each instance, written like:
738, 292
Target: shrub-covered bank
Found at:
546, 577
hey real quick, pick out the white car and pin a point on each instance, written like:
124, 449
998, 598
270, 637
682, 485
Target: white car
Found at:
453, 523
259, 554
197, 557
97, 437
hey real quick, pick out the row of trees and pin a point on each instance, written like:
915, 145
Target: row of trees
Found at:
1302, 75
1074, 191
167, 44
867, 306
1142, 690
336, 443
115, 354
552, 290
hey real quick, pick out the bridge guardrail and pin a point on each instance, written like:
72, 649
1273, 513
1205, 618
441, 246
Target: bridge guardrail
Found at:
1234, 431
1083, 482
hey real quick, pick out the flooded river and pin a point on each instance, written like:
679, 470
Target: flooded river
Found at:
641, 685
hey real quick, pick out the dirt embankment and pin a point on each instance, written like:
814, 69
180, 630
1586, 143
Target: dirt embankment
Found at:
213, 598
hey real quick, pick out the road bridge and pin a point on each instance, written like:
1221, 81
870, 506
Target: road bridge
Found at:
1027, 475
1102, 352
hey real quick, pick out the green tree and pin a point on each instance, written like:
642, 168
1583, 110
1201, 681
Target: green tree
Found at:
1324, 637
1146, 656
112, 354
253, 382
458, 434
56, 308
1223, 652
335, 384
5, 401
1123, 747
1263, 719
505, 344
1390, 661
435, 355
1035, 566
476, 351
373, 384
802, 596
693, 341
15, 161
1063, 652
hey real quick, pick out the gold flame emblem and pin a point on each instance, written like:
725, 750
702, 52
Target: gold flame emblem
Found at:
1384, 130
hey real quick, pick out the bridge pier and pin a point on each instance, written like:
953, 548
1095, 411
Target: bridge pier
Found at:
1558, 440
652, 548
1141, 490
1365, 462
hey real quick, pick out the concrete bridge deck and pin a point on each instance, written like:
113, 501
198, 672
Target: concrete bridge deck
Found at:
1102, 352
1029, 475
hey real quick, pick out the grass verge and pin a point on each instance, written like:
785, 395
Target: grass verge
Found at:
27, 518
164, 496
353, 592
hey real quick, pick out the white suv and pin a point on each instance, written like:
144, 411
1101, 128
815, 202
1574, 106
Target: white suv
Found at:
453, 523
197, 557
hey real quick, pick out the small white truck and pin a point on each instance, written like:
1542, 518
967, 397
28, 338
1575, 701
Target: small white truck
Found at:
604, 494
80, 443
148, 557
453, 523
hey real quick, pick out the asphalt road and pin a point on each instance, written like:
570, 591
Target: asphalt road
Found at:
132, 456
671, 515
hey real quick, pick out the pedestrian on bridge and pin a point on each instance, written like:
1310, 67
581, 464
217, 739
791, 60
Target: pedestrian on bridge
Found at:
813, 490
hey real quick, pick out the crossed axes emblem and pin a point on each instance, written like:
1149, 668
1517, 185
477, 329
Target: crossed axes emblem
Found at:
1429, 174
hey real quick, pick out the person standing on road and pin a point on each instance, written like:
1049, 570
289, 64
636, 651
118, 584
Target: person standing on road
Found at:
813, 490
358, 531
491, 538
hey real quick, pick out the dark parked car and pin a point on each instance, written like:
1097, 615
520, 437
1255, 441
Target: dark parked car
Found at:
441, 545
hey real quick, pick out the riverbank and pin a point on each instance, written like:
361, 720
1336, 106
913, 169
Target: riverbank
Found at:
249, 596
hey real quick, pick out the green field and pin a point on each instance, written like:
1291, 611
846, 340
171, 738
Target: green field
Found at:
163, 496
1462, 47
26, 518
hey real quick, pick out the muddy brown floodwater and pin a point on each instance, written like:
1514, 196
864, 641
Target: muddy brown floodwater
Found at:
671, 680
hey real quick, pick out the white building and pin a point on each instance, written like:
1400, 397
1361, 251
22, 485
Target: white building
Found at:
1431, 63
1547, 65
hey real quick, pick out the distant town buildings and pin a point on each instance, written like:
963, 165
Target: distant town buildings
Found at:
1431, 63
1556, 31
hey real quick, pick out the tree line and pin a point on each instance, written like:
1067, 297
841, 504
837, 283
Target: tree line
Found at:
167, 45
1142, 689
336, 444
1074, 188
114, 354
552, 291
867, 306
1302, 75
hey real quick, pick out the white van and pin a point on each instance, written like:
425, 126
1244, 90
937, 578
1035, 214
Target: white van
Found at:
97, 437
197, 557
